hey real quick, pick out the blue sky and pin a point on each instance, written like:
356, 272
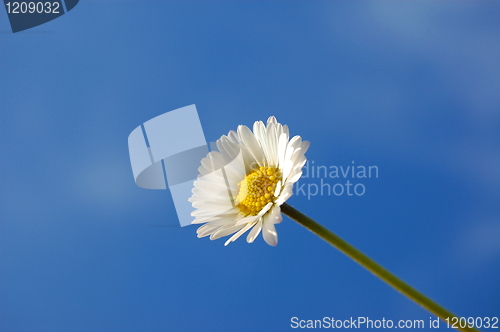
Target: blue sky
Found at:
409, 87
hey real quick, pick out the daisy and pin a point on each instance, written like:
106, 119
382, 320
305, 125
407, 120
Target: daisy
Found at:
242, 186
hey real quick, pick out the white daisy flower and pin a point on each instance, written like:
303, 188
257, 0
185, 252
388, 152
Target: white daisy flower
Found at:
242, 186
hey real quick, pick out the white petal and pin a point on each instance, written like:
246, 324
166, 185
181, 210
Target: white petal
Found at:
239, 233
206, 213
218, 194
305, 146
295, 142
214, 161
286, 193
287, 167
269, 231
260, 133
282, 144
250, 142
207, 229
230, 216
271, 119
259, 130
225, 231
211, 227
265, 209
279, 186
295, 175
255, 231
246, 220
235, 170
275, 214
210, 176
227, 147
233, 137
297, 154
204, 219
213, 205
206, 183
286, 131
301, 163
272, 145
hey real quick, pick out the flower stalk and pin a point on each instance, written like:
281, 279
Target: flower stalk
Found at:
369, 264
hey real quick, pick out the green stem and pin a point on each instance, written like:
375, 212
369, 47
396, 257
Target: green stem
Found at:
369, 264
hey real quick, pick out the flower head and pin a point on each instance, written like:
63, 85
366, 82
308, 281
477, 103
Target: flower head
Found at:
243, 185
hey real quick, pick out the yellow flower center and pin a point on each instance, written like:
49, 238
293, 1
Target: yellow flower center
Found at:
257, 189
